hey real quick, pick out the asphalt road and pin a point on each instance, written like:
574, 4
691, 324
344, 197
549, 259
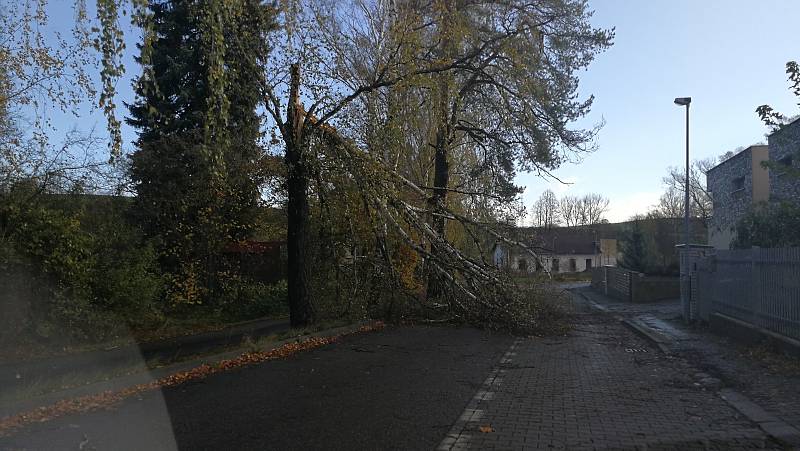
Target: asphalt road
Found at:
401, 388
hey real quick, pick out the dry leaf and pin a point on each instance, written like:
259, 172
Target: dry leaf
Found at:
486, 429
108, 398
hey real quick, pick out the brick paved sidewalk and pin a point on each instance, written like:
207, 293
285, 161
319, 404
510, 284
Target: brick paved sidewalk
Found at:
600, 387
765, 377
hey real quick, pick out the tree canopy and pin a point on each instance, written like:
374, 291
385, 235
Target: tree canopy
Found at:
401, 125
196, 167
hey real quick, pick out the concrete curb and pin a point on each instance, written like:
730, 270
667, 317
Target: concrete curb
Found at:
750, 334
780, 431
648, 334
148, 375
640, 329
592, 303
773, 426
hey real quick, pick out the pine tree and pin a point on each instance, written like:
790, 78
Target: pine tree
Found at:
636, 248
195, 166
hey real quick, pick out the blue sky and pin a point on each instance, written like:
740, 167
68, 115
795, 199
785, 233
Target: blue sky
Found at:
729, 56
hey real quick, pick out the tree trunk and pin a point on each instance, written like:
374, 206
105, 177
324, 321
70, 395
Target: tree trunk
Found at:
441, 179
441, 174
441, 169
301, 310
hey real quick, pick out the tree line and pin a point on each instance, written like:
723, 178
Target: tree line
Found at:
389, 132
571, 211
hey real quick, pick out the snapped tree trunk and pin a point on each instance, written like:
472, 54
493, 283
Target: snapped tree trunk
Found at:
301, 309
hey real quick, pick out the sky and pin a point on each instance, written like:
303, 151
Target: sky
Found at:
728, 55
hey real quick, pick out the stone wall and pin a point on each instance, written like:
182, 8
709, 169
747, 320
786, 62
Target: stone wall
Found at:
785, 143
731, 186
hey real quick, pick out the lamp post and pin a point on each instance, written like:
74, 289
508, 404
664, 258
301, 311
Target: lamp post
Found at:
685, 101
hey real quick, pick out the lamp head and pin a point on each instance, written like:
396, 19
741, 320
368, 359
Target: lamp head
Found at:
683, 101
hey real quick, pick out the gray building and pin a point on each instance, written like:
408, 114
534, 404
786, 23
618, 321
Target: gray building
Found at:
784, 146
735, 185
740, 182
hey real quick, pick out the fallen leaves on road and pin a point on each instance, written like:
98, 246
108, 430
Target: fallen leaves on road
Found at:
486, 429
107, 399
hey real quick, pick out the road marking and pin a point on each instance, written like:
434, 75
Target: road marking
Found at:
458, 438
471, 415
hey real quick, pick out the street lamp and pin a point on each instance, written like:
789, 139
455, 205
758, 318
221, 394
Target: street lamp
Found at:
685, 101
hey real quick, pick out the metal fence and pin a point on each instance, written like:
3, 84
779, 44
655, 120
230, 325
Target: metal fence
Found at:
627, 285
758, 286
613, 281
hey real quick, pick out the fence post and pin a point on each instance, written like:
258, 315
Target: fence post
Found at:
755, 278
684, 258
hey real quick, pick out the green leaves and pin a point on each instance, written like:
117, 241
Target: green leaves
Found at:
769, 225
195, 169
772, 118
111, 45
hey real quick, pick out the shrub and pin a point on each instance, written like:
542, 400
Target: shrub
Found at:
246, 299
89, 272
769, 225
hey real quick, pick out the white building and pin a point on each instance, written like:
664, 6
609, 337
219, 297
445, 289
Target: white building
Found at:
559, 250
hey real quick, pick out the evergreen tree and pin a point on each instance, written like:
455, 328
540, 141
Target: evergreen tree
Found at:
636, 248
195, 167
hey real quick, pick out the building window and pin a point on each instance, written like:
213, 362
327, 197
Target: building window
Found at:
784, 164
588, 264
554, 268
737, 184
522, 265
573, 265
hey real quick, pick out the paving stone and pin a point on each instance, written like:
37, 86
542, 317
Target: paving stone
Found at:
765, 379
584, 391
